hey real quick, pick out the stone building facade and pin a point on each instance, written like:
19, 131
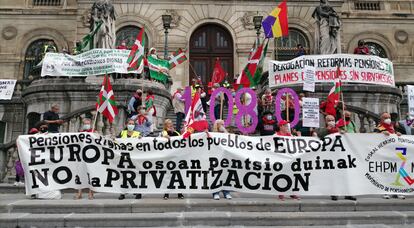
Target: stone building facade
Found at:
206, 30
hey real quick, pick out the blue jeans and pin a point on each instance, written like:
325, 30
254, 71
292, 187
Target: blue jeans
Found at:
180, 118
217, 112
224, 193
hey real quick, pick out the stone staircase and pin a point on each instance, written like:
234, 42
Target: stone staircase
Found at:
199, 210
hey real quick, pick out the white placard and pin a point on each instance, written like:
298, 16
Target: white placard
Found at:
410, 99
310, 112
7, 89
309, 82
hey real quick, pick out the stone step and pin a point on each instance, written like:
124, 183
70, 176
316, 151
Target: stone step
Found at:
109, 203
212, 218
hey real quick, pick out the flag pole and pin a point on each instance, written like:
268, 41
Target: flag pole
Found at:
94, 121
221, 105
341, 93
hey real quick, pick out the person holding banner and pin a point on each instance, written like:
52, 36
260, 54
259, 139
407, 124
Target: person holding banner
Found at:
284, 130
86, 127
167, 132
385, 126
219, 127
129, 132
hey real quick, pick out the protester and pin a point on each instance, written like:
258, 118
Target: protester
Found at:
150, 109
362, 49
42, 126
300, 50
406, 125
18, 165
267, 100
347, 125
203, 97
167, 132
122, 46
267, 124
52, 119
386, 127
142, 122
153, 53
134, 102
86, 127
284, 130
217, 103
129, 132
219, 127
179, 106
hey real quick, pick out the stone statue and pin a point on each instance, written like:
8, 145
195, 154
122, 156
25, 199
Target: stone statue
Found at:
327, 37
103, 10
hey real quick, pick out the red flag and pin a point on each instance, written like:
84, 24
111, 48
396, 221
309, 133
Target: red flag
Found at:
218, 73
106, 103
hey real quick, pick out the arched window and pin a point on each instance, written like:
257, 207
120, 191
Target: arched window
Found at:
376, 49
286, 47
33, 118
35, 54
129, 34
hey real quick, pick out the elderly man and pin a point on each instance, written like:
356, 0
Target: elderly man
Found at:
331, 128
51, 117
134, 102
385, 126
346, 125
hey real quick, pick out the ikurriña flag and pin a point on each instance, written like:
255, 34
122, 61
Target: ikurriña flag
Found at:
106, 103
276, 24
177, 58
137, 52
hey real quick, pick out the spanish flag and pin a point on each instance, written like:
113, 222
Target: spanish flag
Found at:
276, 24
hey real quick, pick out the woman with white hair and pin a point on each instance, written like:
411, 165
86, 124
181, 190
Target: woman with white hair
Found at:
219, 127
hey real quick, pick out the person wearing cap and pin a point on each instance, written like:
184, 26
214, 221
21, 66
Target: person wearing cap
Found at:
178, 103
134, 102
284, 130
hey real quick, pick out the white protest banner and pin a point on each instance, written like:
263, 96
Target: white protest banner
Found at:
354, 68
410, 99
92, 62
309, 82
349, 164
7, 89
310, 112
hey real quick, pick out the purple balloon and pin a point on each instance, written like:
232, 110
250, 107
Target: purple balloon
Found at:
230, 105
246, 110
296, 105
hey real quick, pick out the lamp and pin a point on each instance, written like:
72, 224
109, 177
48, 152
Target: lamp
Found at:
257, 22
166, 22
